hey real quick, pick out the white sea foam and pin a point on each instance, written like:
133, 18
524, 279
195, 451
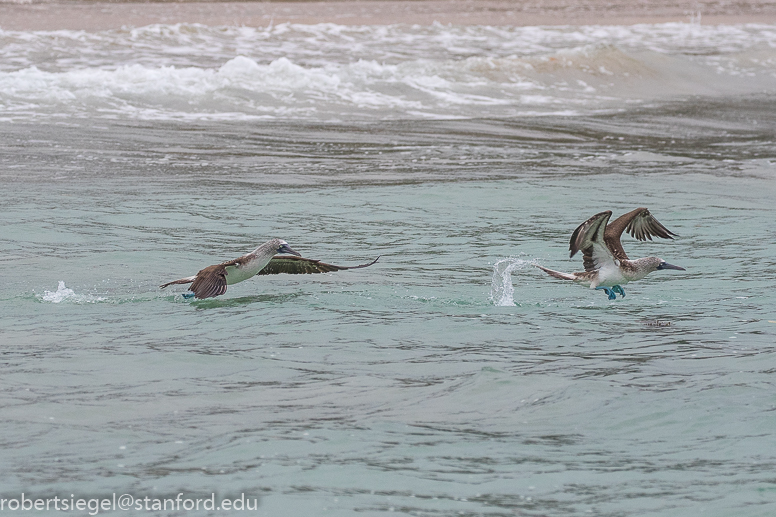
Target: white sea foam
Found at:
329, 71
66, 294
502, 292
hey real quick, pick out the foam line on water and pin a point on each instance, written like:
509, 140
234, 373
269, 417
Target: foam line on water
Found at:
502, 291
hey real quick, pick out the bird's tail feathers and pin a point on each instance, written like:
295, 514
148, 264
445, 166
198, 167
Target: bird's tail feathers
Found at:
557, 274
187, 280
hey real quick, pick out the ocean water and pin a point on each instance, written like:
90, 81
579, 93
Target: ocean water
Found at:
450, 378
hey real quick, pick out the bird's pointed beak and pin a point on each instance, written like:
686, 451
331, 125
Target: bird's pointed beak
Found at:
286, 249
666, 265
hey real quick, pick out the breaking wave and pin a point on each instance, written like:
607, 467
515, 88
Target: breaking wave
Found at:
331, 72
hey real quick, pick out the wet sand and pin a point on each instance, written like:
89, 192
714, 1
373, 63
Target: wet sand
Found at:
93, 16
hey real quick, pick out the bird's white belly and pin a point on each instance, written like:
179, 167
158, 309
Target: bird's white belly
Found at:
236, 274
610, 275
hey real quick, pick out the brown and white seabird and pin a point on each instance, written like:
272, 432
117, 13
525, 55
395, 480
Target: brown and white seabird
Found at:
212, 280
607, 266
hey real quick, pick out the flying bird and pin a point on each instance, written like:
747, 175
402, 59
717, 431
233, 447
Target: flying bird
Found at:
607, 266
212, 280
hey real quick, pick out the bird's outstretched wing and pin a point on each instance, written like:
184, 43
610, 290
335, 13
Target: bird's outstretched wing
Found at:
300, 266
210, 282
638, 223
589, 239
187, 280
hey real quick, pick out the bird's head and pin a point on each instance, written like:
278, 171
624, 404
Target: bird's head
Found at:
282, 246
659, 264
275, 246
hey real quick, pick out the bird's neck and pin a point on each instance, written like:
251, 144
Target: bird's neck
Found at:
636, 269
257, 259
267, 249
261, 256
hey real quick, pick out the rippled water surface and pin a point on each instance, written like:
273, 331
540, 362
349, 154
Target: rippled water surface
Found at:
450, 378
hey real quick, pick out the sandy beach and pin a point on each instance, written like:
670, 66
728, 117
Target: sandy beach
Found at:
93, 16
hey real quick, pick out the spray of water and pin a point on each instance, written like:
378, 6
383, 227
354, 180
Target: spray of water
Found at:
502, 291
64, 293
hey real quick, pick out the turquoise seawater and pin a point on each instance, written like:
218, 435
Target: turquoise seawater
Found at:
450, 378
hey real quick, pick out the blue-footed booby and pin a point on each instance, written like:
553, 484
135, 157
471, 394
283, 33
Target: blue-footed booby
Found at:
212, 280
607, 266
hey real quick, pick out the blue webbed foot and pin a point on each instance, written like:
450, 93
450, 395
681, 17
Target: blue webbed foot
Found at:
619, 290
188, 295
608, 292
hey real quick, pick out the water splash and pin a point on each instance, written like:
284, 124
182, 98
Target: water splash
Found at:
502, 291
64, 293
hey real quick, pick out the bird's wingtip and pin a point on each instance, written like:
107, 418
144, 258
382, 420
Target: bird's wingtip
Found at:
367, 264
